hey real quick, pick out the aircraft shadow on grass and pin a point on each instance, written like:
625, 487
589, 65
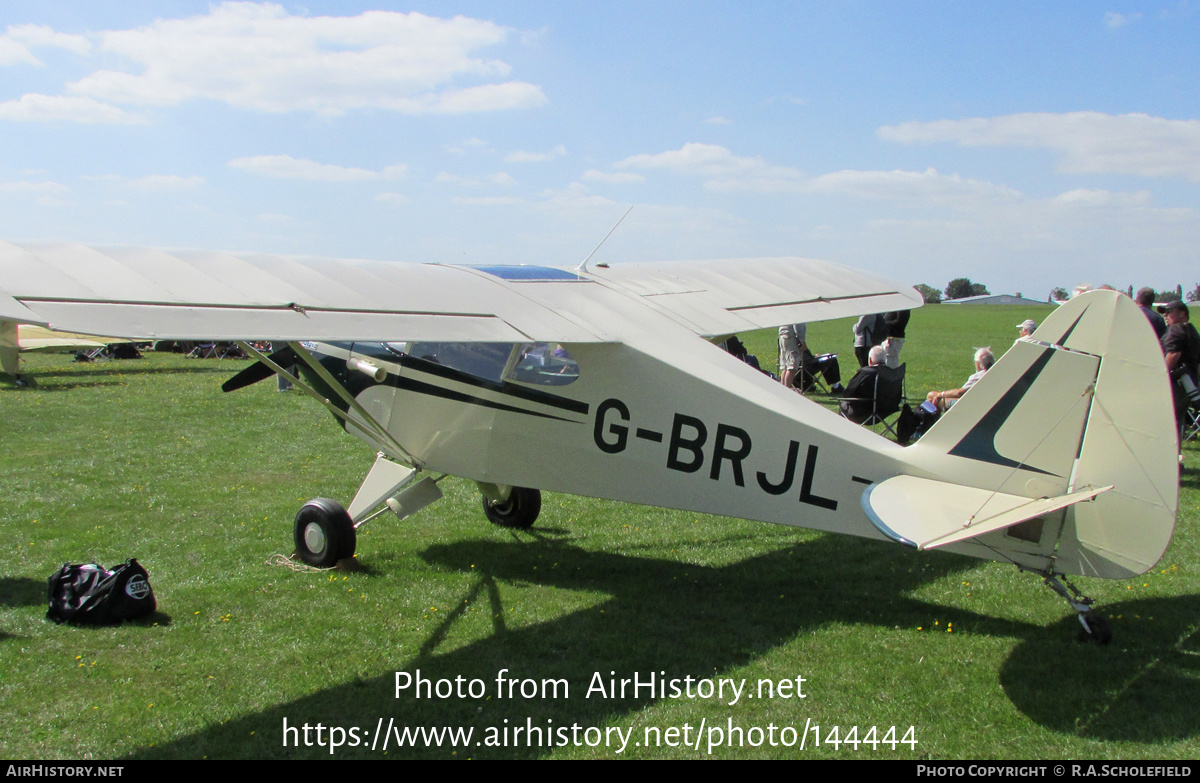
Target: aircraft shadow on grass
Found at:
746, 609
649, 624
1140, 688
22, 591
45, 380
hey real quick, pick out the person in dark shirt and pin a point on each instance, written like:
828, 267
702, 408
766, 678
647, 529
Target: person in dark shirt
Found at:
858, 403
896, 322
1145, 300
1181, 352
1181, 343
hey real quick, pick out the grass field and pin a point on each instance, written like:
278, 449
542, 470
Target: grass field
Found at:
148, 459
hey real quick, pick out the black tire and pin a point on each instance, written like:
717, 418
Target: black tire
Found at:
1100, 631
324, 533
519, 511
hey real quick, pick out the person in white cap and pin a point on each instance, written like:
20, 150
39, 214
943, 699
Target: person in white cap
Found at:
1027, 327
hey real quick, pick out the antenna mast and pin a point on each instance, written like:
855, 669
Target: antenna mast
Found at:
583, 267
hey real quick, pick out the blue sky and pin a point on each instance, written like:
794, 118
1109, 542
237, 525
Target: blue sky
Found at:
1023, 145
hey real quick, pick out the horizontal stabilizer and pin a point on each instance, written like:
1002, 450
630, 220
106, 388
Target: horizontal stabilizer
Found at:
928, 514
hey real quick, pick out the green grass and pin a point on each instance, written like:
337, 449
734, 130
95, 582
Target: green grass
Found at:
149, 459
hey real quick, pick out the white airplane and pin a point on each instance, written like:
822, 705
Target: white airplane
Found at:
16, 339
599, 382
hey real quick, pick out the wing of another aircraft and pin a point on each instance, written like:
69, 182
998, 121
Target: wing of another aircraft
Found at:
37, 339
193, 294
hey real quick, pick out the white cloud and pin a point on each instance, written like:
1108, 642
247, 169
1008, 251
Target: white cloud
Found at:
613, 178
487, 97
1115, 20
49, 108
487, 201
470, 145
275, 219
18, 40
499, 178
392, 199
573, 199
1103, 198
164, 182
521, 156
723, 169
13, 52
1090, 142
927, 186
33, 187
287, 167
260, 57
718, 121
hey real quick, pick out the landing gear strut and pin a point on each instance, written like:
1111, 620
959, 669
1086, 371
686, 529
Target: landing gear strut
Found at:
518, 511
324, 533
1095, 627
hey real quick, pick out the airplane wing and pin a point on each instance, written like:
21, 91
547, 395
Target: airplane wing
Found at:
161, 294
35, 339
741, 294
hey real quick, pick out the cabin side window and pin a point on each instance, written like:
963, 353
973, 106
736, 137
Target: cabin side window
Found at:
538, 364
543, 364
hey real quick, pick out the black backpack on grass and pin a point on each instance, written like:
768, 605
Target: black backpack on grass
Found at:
89, 594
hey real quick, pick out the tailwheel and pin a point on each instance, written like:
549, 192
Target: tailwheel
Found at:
1095, 629
519, 511
324, 533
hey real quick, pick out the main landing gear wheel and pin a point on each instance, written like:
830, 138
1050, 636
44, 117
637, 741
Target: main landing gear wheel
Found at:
519, 511
1098, 630
324, 533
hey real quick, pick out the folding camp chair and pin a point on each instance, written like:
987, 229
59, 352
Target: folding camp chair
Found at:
886, 395
206, 350
1189, 417
817, 372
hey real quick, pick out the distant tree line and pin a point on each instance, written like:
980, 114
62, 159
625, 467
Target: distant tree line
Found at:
957, 288
1165, 295
961, 287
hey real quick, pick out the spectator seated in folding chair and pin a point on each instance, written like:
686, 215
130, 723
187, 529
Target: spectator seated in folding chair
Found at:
875, 392
207, 350
799, 369
216, 350
914, 422
815, 368
1189, 415
735, 347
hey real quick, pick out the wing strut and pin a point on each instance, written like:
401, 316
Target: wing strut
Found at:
364, 421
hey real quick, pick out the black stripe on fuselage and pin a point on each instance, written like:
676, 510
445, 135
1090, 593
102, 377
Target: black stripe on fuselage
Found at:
406, 383
499, 387
449, 373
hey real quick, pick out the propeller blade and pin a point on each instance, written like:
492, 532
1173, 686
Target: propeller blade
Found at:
259, 371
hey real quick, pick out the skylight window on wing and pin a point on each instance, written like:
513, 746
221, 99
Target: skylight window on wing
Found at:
524, 273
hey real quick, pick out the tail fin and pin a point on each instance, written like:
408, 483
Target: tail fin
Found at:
1083, 404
